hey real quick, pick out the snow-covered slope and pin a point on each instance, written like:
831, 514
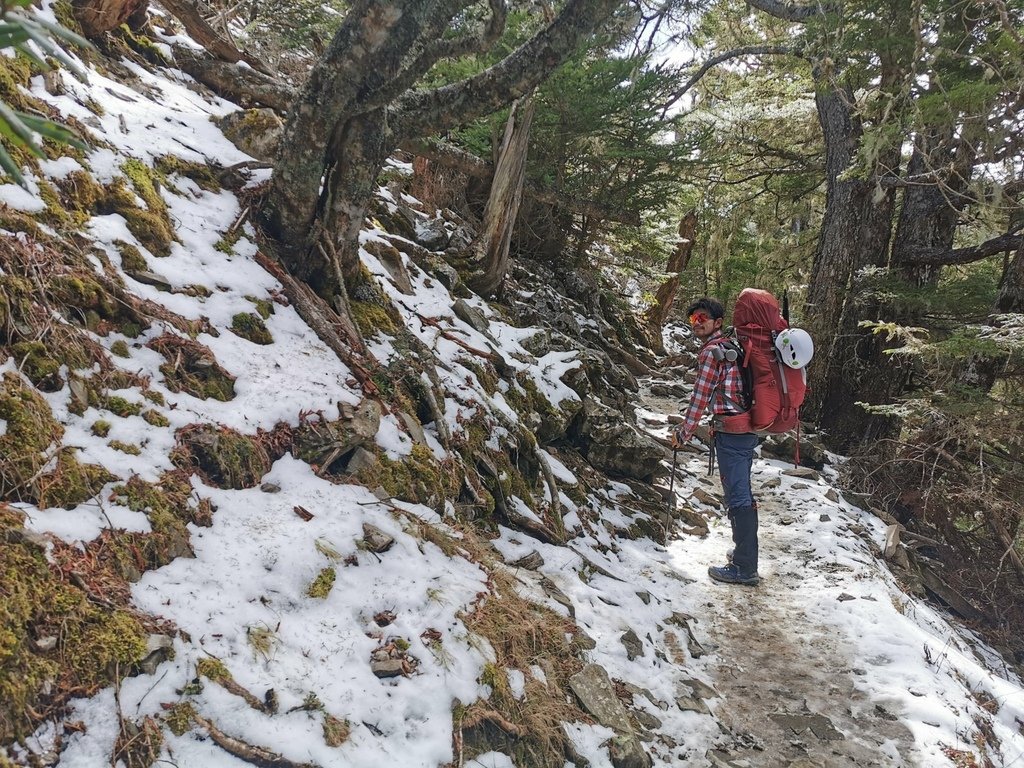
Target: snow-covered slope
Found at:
328, 623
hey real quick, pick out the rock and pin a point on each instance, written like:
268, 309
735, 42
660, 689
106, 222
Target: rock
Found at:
360, 459
674, 391
645, 597
700, 689
45, 644
616, 447
833, 495
692, 704
387, 667
819, 725
634, 646
323, 443
646, 719
823, 518
843, 597
256, 132
432, 234
772, 482
472, 316
375, 539
270, 488
584, 641
704, 497
531, 562
593, 688
159, 648
784, 447
718, 759
414, 427
557, 595
799, 487
805, 472
150, 278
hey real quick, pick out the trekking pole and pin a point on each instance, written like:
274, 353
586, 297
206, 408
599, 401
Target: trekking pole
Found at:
711, 458
672, 481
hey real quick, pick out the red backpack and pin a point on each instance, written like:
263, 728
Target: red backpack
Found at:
774, 390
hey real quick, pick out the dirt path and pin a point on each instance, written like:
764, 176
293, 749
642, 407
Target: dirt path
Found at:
785, 683
786, 686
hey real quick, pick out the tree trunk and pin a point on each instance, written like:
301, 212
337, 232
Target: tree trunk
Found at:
97, 17
188, 14
855, 233
492, 244
665, 296
1011, 288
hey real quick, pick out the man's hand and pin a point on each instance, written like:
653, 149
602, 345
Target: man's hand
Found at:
679, 437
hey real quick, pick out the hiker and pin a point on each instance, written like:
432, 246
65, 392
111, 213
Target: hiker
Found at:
719, 382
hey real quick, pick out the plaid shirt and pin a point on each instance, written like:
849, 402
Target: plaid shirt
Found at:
717, 382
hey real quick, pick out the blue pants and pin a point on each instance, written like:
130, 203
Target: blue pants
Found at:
735, 459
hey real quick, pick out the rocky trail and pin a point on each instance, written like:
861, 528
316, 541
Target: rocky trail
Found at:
785, 684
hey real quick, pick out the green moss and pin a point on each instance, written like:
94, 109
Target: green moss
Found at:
156, 418
15, 74
250, 326
120, 348
372, 319
154, 397
132, 259
227, 458
200, 173
418, 477
31, 430
265, 307
72, 482
227, 243
121, 407
212, 669
143, 46
167, 506
192, 368
129, 448
180, 718
33, 359
100, 428
94, 643
336, 730
151, 226
322, 584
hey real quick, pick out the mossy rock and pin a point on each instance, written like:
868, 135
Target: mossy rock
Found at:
321, 586
93, 644
151, 226
31, 431
72, 482
228, 459
192, 368
200, 173
168, 506
250, 326
132, 259
419, 478
33, 359
256, 132
265, 307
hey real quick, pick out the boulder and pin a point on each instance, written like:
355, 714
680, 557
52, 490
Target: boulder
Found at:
594, 690
256, 132
616, 447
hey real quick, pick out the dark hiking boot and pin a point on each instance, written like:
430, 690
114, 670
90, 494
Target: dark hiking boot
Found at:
730, 574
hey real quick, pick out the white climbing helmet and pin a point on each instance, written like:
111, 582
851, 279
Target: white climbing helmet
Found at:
795, 347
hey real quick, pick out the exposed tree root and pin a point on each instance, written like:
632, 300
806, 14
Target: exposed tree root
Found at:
258, 756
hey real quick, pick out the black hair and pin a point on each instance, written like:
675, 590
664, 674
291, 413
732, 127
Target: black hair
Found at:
712, 306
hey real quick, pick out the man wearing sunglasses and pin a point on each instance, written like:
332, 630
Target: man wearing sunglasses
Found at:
719, 384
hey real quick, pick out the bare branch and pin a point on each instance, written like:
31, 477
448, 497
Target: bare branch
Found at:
750, 50
188, 14
944, 257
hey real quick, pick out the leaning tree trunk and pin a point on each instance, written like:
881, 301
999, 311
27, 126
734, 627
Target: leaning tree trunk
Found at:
491, 248
665, 296
97, 17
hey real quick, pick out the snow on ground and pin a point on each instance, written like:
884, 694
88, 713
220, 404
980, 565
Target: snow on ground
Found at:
243, 599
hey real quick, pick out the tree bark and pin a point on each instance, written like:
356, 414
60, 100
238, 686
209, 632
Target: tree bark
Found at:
1011, 287
363, 83
243, 85
188, 14
492, 244
665, 296
97, 17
